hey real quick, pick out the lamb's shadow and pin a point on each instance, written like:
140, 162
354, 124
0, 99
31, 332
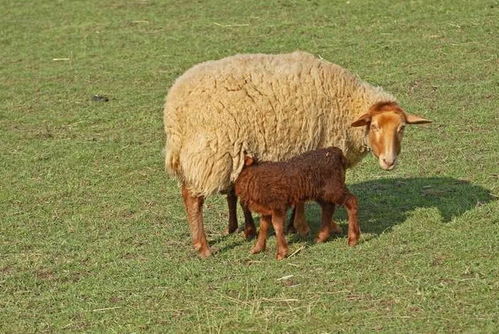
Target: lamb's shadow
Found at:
384, 203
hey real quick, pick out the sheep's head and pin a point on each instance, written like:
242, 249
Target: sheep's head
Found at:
385, 123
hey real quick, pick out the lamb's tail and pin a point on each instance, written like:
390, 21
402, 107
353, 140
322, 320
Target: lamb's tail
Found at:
344, 160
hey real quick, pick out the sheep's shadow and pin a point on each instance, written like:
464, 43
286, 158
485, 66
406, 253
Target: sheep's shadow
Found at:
384, 203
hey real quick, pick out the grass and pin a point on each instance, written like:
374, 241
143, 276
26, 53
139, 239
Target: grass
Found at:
93, 236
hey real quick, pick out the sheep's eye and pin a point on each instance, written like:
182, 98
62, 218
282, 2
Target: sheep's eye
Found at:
401, 129
374, 127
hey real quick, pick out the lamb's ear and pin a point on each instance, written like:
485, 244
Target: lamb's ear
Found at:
413, 119
362, 120
248, 161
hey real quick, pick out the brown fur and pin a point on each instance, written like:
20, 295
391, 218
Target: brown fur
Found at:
270, 188
385, 123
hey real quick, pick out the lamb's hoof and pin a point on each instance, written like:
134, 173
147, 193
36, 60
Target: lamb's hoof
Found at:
322, 236
301, 227
336, 229
256, 250
304, 232
250, 232
320, 239
281, 255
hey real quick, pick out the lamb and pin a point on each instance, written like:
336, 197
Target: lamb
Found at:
273, 107
270, 188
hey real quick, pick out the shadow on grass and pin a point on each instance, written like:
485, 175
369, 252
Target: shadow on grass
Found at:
384, 203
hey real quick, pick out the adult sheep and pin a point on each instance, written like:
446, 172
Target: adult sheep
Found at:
271, 107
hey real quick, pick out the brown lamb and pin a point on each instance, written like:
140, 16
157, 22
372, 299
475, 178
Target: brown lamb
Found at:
270, 188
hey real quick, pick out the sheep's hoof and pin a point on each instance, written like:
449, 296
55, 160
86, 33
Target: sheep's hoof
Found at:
352, 241
229, 230
202, 249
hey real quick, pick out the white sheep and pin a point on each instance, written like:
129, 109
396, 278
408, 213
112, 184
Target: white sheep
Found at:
271, 107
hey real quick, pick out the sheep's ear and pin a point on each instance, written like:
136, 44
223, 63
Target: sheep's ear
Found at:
413, 119
362, 120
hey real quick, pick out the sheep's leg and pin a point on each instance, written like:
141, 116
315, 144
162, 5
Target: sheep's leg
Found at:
194, 209
299, 221
232, 202
353, 224
327, 224
262, 235
249, 224
278, 218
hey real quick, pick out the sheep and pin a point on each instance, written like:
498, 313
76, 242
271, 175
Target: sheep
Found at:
273, 107
270, 188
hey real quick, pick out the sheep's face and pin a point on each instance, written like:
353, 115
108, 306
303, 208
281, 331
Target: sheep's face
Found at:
385, 133
385, 123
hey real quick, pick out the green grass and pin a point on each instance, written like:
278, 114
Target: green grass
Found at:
93, 236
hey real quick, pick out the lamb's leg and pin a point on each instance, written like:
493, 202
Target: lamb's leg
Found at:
335, 228
291, 223
299, 221
194, 209
249, 224
326, 221
278, 218
262, 235
353, 224
232, 203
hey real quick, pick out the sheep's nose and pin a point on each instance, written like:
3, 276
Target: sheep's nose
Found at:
388, 163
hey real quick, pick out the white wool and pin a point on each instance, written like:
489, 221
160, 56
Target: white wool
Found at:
272, 107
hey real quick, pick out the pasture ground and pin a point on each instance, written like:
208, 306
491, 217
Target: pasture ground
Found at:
93, 236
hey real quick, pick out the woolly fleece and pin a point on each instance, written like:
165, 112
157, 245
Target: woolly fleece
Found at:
271, 107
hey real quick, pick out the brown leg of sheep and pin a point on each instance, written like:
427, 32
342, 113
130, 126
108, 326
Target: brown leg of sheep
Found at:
194, 209
278, 218
249, 224
299, 222
326, 222
232, 203
353, 224
261, 241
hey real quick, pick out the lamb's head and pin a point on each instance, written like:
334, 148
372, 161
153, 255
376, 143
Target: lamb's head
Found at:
385, 123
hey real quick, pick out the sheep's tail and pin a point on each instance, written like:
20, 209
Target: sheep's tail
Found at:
172, 156
201, 162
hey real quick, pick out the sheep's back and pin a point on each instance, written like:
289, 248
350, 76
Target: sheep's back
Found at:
269, 106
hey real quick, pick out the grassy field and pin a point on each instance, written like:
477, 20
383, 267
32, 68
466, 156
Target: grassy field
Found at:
93, 236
